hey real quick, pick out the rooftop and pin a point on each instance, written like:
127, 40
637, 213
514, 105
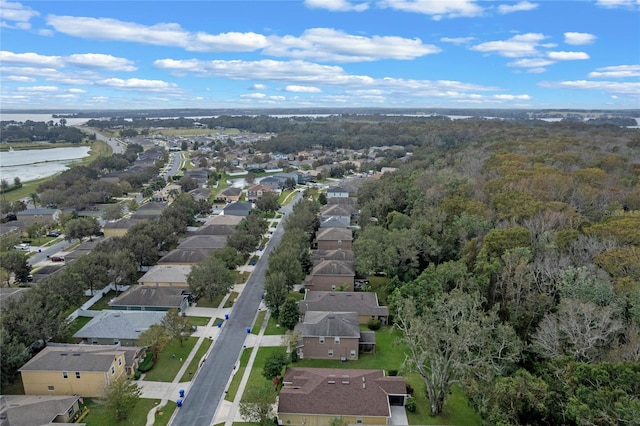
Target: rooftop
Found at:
166, 274
115, 324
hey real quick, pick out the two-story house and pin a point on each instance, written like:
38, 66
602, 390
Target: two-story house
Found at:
329, 335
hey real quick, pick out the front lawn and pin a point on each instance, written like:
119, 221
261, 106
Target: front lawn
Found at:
99, 416
199, 321
232, 299
204, 302
195, 362
255, 329
273, 328
230, 395
256, 378
168, 363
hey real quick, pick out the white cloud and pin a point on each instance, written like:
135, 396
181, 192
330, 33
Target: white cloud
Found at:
337, 5
228, 42
29, 59
618, 71
512, 97
517, 46
100, 61
518, 7
437, 9
74, 90
530, 63
327, 44
579, 38
632, 89
258, 87
38, 89
254, 95
16, 13
302, 89
567, 56
457, 40
612, 4
137, 84
18, 78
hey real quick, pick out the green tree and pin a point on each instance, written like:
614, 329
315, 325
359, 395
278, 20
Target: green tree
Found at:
274, 364
231, 257
113, 211
177, 326
210, 278
17, 183
35, 199
121, 397
14, 355
268, 202
289, 313
454, 339
15, 263
276, 292
155, 338
79, 228
257, 404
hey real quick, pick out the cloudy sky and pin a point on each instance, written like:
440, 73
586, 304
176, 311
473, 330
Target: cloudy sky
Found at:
320, 53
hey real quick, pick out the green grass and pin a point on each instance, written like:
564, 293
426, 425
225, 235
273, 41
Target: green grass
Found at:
283, 196
199, 321
103, 303
456, 410
296, 295
204, 302
240, 277
256, 378
237, 377
99, 416
167, 367
195, 362
273, 329
164, 415
255, 329
233, 296
77, 324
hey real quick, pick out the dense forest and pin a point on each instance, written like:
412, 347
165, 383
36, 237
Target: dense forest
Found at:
39, 131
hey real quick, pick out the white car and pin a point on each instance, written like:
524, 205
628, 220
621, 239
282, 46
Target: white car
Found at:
23, 246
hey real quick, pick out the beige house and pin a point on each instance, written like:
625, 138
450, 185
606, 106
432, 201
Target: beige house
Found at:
316, 396
331, 275
166, 275
329, 335
334, 238
229, 194
365, 303
77, 369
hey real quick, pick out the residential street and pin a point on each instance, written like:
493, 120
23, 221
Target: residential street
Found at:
207, 388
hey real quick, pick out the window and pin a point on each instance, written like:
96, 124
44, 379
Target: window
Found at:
321, 339
330, 353
333, 287
336, 340
352, 353
51, 388
77, 374
359, 420
65, 375
119, 361
70, 411
113, 370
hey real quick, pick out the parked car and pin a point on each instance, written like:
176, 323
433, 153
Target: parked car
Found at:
57, 259
54, 233
99, 234
23, 246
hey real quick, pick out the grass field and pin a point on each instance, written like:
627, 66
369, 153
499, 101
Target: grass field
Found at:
103, 303
255, 329
256, 378
273, 328
195, 362
167, 366
204, 302
99, 416
237, 377
199, 321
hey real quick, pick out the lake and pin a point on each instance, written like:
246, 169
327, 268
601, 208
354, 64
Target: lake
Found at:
32, 164
40, 117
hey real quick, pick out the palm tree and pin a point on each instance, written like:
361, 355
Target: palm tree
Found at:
35, 199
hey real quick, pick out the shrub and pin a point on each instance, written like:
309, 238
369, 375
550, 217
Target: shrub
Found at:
392, 372
410, 404
137, 374
147, 364
410, 389
302, 290
374, 324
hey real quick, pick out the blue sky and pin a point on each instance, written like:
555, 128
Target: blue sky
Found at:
320, 53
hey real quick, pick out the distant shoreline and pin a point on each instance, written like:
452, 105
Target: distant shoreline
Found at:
25, 146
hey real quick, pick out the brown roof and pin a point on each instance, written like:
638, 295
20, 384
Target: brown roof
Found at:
203, 242
364, 303
216, 229
333, 267
334, 234
344, 255
185, 256
340, 324
338, 392
335, 210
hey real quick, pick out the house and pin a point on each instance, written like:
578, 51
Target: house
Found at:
223, 220
351, 203
77, 369
120, 227
334, 238
184, 257
284, 178
206, 242
329, 335
316, 396
152, 298
337, 211
334, 222
318, 256
123, 328
365, 303
237, 209
166, 275
30, 410
152, 209
216, 229
330, 275
337, 192
256, 191
271, 183
41, 215
229, 194
84, 248
200, 194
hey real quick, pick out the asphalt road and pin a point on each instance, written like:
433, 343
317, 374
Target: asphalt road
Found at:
49, 251
115, 144
175, 165
207, 389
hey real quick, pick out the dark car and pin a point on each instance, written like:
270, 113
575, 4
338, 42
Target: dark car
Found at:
57, 259
99, 234
53, 234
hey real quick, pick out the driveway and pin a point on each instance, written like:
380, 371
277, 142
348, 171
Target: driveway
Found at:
399, 416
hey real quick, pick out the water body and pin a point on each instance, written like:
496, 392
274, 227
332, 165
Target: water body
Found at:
31, 164
41, 118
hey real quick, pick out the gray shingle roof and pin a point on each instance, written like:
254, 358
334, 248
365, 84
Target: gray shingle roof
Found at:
166, 274
145, 295
35, 410
185, 256
73, 358
216, 229
119, 324
335, 210
344, 255
364, 303
334, 324
204, 242
223, 220
334, 234
333, 267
